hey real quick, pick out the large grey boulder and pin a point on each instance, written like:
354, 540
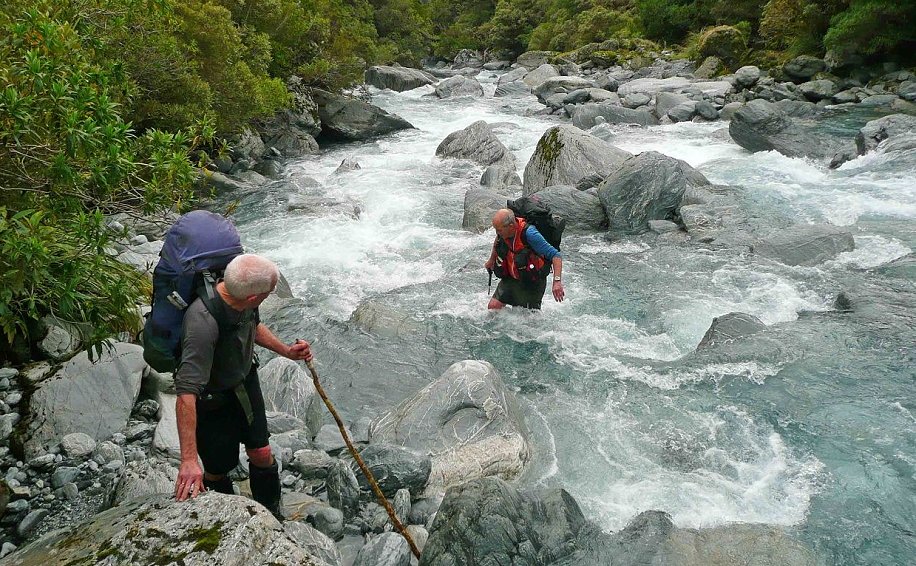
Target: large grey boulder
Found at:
209, 529
479, 207
467, 421
747, 76
803, 67
314, 542
652, 86
459, 86
585, 115
536, 77
346, 118
560, 85
397, 78
477, 143
288, 388
730, 327
761, 126
818, 90
582, 210
533, 59
291, 131
565, 154
876, 131
665, 101
396, 467
487, 521
145, 477
649, 186
63, 339
85, 396
501, 177
247, 145
517, 88
386, 549
806, 245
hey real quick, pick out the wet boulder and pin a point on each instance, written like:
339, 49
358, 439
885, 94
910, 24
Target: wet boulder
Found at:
397, 78
747, 76
94, 397
665, 101
384, 320
459, 86
386, 549
291, 131
805, 244
533, 59
653, 86
888, 127
487, 521
395, 467
479, 207
586, 115
560, 85
287, 388
803, 67
582, 210
649, 186
346, 118
762, 126
536, 77
730, 327
143, 478
476, 143
818, 90
467, 421
209, 529
565, 154
501, 177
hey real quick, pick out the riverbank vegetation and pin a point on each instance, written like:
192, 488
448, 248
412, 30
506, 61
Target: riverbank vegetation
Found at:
107, 105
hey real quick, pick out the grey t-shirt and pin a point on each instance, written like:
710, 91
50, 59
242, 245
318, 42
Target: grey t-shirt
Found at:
199, 366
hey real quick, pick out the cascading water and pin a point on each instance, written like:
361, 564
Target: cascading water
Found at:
813, 429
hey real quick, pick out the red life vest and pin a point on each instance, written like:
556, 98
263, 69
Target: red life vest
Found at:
518, 259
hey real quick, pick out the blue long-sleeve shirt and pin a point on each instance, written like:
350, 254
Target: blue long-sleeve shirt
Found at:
540, 246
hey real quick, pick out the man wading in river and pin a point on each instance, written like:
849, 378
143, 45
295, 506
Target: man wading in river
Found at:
522, 259
220, 404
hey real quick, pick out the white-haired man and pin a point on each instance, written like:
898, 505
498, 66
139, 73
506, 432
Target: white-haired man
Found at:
220, 404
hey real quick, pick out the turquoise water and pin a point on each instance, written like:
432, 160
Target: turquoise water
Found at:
810, 425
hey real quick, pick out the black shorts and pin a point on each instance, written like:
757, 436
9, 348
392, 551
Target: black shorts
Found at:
521, 294
222, 426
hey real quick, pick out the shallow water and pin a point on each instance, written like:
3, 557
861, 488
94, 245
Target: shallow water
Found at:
812, 427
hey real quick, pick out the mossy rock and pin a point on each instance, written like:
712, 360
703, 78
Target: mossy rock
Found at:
636, 61
768, 60
582, 54
604, 59
725, 42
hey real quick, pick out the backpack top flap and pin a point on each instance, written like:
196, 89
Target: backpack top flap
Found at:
538, 213
199, 240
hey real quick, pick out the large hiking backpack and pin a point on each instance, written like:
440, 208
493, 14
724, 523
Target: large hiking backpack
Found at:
538, 213
196, 251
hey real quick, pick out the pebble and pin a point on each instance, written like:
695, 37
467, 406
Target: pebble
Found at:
7, 548
71, 492
13, 398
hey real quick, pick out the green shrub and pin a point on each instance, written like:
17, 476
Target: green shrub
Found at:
874, 26
664, 20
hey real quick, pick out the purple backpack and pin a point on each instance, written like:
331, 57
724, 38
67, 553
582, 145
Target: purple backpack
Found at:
197, 249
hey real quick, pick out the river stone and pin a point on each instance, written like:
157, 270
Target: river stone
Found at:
728, 111
706, 110
582, 210
28, 524
803, 67
468, 58
312, 464
62, 339
346, 165
397, 78
145, 477
208, 529
534, 59
747, 76
466, 420
762, 126
876, 131
476, 143
665, 101
77, 445
652, 86
288, 388
709, 68
83, 396
247, 145
806, 245
517, 88
459, 86
512, 76
536, 77
501, 177
560, 85
683, 112
818, 90
487, 521
290, 132
636, 99
314, 542
479, 207
286, 444
586, 115
649, 186
385, 321
565, 154
395, 468
730, 327
343, 489
386, 549
346, 118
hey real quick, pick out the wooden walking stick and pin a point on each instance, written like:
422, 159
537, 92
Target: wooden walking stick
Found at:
362, 465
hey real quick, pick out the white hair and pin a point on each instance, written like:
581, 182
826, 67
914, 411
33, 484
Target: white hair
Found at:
250, 274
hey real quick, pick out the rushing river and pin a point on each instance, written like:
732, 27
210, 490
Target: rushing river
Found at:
816, 432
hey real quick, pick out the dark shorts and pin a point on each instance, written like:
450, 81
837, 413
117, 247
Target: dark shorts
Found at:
521, 294
222, 426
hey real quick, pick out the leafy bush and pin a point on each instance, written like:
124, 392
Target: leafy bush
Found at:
873, 26
66, 156
662, 20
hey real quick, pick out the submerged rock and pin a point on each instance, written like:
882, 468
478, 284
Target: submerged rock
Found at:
888, 127
476, 143
459, 86
805, 244
397, 78
730, 327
